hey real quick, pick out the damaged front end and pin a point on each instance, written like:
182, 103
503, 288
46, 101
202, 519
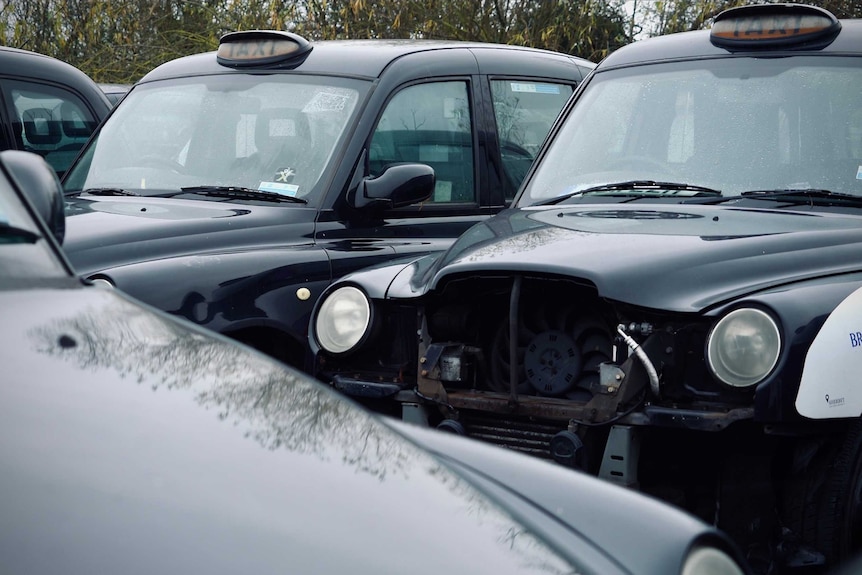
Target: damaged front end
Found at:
633, 395
585, 369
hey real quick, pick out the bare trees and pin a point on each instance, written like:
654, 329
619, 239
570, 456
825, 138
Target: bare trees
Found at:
120, 40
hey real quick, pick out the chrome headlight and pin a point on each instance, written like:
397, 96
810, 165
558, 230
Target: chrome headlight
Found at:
342, 320
710, 561
743, 347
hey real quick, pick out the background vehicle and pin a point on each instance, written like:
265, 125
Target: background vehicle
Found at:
49, 107
115, 92
231, 190
135, 442
673, 301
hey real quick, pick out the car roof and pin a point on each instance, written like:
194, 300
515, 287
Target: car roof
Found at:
369, 58
696, 45
27, 64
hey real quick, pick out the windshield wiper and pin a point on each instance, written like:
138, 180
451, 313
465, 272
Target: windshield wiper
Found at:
236, 192
639, 189
106, 192
795, 197
16, 235
802, 195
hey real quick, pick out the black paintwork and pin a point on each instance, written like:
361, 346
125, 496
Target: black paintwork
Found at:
700, 265
27, 66
136, 442
235, 267
663, 269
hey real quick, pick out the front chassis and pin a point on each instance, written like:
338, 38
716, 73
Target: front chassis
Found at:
654, 420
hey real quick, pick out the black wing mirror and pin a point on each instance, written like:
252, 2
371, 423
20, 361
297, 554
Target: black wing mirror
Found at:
399, 185
39, 182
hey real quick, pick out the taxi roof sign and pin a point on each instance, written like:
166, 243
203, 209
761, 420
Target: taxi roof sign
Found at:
770, 26
261, 48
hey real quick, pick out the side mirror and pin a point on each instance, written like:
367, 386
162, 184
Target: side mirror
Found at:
399, 185
38, 181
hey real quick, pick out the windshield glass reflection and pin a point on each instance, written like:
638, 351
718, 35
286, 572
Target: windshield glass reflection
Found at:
271, 133
733, 125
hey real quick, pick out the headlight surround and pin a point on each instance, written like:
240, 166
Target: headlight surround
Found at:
343, 320
743, 347
101, 281
710, 561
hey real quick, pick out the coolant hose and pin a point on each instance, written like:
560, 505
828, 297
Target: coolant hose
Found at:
642, 356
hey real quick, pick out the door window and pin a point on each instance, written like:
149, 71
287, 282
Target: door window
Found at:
524, 111
50, 121
430, 124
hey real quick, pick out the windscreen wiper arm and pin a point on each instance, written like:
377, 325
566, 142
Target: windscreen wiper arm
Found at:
802, 194
640, 189
237, 192
794, 196
106, 192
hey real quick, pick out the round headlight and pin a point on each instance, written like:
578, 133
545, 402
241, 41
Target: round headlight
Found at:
342, 320
743, 347
710, 561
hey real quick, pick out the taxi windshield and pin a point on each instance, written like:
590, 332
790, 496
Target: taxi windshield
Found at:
273, 133
718, 126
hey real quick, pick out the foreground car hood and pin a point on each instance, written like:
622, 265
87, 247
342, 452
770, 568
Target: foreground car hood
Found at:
677, 258
130, 443
105, 232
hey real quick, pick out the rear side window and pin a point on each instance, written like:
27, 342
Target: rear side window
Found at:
50, 121
430, 124
524, 111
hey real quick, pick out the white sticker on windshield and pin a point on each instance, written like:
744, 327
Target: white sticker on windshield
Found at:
279, 188
859, 173
326, 102
535, 88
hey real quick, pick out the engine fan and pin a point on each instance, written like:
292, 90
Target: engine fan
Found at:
558, 353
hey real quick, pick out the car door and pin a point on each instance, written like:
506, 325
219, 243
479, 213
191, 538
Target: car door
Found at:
479, 133
46, 119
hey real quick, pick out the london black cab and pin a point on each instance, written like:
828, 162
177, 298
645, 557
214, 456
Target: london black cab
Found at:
49, 107
674, 300
136, 442
231, 187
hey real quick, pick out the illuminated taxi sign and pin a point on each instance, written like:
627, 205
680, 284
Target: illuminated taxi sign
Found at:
772, 26
261, 48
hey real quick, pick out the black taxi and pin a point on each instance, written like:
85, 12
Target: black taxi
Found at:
132, 441
231, 187
47, 106
674, 300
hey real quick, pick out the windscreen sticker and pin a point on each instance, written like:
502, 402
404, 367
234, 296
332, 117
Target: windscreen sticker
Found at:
859, 173
535, 88
826, 390
279, 188
327, 101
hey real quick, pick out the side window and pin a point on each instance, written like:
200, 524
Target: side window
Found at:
50, 121
524, 112
430, 124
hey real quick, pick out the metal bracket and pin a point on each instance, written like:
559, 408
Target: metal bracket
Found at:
620, 461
